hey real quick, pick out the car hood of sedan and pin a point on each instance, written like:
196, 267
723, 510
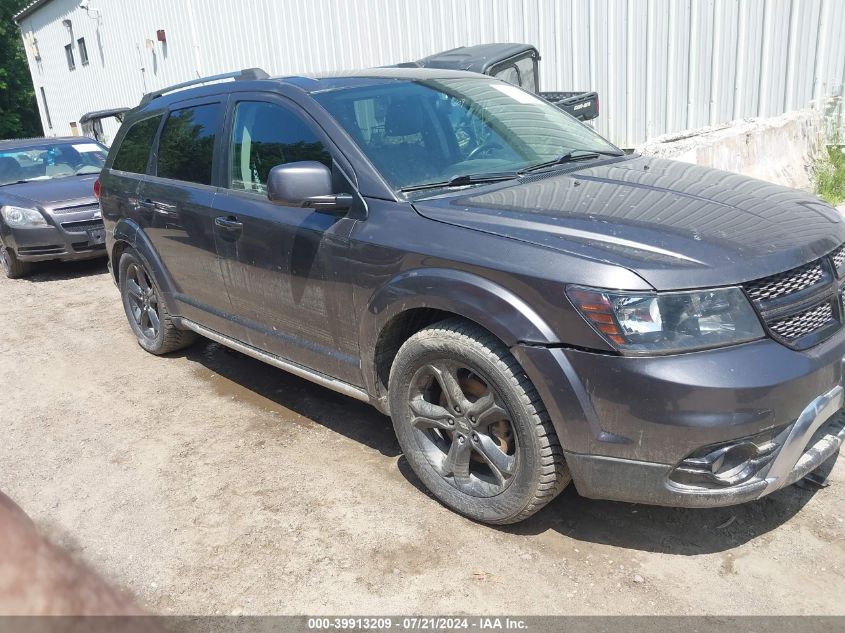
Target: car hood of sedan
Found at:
675, 224
49, 193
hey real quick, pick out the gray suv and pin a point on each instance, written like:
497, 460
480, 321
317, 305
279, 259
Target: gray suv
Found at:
531, 306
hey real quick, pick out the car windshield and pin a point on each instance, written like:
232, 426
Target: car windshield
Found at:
431, 132
46, 161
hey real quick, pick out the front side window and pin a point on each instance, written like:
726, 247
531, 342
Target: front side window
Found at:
265, 135
186, 148
426, 132
134, 152
48, 161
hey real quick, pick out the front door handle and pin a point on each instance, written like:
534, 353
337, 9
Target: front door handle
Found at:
230, 227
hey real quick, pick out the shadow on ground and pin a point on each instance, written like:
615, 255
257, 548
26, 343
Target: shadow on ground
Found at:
677, 531
58, 271
233, 374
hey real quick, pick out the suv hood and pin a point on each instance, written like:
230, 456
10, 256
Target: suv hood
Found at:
49, 193
676, 225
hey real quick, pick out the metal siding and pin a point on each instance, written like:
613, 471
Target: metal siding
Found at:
659, 65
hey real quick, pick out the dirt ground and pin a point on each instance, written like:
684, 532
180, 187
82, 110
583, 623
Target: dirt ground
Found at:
207, 482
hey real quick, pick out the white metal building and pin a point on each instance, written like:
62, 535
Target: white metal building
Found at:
659, 65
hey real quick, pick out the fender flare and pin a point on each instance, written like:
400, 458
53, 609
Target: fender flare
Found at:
465, 294
130, 232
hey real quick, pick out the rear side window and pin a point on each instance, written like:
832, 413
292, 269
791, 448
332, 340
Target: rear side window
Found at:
186, 148
265, 135
134, 151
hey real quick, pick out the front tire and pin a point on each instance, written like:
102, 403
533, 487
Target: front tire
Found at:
472, 426
146, 311
12, 266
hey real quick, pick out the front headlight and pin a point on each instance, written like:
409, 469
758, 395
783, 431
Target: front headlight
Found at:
17, 217
662, 323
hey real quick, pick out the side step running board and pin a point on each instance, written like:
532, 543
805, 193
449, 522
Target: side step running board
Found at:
297, 370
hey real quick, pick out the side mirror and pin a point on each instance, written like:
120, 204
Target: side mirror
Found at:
305, 184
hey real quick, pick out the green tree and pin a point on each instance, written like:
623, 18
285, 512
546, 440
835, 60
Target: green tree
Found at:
18, 109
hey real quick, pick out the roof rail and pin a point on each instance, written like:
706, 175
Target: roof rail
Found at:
248, 74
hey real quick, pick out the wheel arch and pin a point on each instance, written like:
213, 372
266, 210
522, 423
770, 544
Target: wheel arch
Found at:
418, 298
128, 233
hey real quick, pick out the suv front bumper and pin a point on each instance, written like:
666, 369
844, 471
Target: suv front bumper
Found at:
810, 442
633, 429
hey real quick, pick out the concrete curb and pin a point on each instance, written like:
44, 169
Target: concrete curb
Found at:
779, 149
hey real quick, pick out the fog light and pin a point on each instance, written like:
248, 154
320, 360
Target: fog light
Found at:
728, 463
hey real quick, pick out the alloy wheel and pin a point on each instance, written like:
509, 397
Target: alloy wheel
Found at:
143, 301
463, 429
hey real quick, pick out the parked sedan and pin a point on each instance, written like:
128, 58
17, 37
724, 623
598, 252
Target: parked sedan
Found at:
47, 204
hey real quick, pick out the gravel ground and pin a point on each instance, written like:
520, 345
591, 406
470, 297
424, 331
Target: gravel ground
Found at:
207, 482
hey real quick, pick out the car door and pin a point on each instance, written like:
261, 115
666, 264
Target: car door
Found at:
284, 266
176, 206
123, 179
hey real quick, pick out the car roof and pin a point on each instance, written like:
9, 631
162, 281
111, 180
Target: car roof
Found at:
17, 143
311, 83
479, 58
101, 114
350, 78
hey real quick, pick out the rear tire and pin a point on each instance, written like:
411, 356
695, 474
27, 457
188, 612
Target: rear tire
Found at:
147, 313
472, 426
12, 266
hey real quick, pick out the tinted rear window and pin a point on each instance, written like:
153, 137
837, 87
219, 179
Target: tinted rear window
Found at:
186, 148
134, 151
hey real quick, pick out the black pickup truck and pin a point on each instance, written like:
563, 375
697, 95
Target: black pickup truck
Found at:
515, 63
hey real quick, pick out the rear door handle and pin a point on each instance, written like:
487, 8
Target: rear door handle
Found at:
230, 228
163, 207
157, 206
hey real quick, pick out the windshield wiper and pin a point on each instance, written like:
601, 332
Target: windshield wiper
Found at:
571, 156
16, 182
463, 180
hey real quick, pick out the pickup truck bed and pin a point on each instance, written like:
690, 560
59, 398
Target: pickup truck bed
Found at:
515, 63
581, 105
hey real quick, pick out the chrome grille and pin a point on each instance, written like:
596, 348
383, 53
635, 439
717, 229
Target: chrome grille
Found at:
82, 225
799, 325
786, 283
91, 206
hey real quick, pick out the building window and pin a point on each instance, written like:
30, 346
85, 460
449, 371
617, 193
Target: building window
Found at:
46, 108
83, 51
71, 64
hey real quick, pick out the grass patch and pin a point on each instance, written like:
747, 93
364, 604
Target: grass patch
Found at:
830, 176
